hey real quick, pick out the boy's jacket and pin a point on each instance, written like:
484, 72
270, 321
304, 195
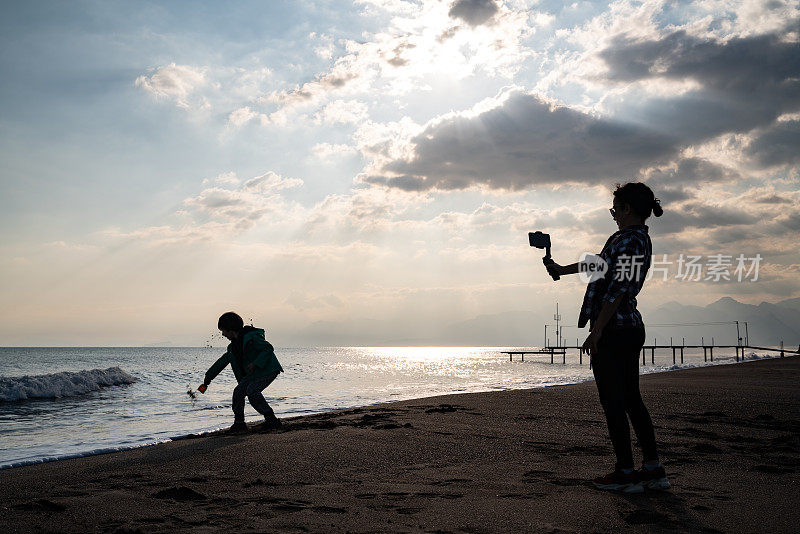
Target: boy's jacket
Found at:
255, 350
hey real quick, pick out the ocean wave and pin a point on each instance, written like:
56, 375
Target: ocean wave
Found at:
64, 384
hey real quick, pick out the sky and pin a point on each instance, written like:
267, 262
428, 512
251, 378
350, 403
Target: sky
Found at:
350, 166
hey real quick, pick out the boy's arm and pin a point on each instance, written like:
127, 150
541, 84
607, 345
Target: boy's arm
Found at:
215, 369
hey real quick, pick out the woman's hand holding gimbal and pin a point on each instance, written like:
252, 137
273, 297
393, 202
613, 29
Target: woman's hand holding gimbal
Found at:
554, 269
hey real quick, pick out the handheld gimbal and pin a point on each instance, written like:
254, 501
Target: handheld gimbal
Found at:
540, 240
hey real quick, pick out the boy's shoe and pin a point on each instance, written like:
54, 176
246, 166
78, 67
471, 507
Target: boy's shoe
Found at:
655, 479
238, 427
619, 481
270, 424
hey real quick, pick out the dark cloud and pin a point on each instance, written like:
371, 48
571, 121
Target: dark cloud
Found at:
679, 182
397, 60
723, 236
473, 12
772, 199
321, 84
690, 171
699, 214
777, 145
525, 141
746, 82
788, 221
447, 34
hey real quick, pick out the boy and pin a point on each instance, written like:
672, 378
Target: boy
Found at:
254, 365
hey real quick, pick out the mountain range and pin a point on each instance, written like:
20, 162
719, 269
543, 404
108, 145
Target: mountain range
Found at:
766, 324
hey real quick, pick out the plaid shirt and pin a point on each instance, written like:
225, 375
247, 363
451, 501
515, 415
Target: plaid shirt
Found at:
627, 253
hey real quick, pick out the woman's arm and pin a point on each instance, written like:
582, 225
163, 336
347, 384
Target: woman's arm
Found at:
606, 313
561, 270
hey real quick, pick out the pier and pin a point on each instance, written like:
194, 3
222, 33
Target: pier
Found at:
677, 352
743, 344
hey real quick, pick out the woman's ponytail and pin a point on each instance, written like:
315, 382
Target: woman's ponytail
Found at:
657, 211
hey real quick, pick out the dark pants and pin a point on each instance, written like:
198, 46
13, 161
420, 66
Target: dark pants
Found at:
252, 388
616, 372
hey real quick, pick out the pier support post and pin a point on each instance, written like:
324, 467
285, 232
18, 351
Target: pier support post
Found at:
705, 356
681, 354
673, 355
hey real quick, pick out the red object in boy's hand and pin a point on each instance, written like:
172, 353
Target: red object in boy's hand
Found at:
202, 388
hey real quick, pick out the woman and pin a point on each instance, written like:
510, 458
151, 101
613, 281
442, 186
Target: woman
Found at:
617, 335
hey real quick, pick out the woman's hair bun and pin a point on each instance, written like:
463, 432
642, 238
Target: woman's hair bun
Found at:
657, 211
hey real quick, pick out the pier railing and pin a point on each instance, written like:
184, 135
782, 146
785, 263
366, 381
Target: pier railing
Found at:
677, 352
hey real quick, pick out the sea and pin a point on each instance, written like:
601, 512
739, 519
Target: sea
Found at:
58, 403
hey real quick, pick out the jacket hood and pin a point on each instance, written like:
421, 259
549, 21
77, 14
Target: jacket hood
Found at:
246, 331
251, 330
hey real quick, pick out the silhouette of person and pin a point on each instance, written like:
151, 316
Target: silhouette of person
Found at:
617, 335
254, 365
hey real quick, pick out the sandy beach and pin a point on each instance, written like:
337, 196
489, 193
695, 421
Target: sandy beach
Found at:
486, 462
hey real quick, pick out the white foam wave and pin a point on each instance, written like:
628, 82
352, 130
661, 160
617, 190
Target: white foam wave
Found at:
64, 384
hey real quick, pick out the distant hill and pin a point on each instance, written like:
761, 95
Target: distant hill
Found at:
767, 324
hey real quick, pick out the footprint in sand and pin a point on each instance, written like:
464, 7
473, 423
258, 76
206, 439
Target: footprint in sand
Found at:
179, 494
643, 517
445, 408
450, 481
41, 505
329, 510
773, 469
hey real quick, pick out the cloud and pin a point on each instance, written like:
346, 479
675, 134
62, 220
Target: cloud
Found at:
302, 301
410, 53
242, 116
523, 141
702, 215
311, 91
174, 82
327, 150
779, 144
242, 206
682, 179
473, 12
342, 112
745, 82
270, 182
225, 179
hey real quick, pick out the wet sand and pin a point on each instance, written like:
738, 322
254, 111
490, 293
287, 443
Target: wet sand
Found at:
506, 461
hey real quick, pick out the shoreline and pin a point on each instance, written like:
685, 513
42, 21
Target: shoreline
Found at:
149, 443
519, 460
123, 448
